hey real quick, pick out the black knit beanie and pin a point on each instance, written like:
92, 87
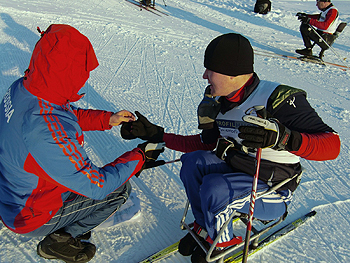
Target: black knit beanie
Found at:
229, 54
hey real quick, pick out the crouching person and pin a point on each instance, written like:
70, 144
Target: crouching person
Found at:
48, 185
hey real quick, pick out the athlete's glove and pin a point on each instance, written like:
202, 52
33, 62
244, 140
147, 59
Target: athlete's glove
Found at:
268, 133
143, 129
303, 18
300, 14
152, 152
226, 145
207, 111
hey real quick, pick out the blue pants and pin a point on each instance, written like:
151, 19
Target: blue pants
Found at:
215, 191
80, 214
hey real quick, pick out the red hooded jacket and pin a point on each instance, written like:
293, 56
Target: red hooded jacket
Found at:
42, 159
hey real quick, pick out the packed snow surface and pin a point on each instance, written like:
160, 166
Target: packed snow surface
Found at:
154, 64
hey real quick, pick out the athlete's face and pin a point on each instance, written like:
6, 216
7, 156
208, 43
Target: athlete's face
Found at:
221, 85
320, 5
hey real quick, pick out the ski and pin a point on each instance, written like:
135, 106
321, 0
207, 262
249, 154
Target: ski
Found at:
313, 59
156, 9
151, 9
166, 252
237, 257
141, 6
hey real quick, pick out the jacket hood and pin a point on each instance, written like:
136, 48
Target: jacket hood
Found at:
60, 65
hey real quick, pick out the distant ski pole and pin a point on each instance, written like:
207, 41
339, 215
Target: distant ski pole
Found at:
261, 112
315, 31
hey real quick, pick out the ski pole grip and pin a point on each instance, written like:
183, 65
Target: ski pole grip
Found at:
261, 111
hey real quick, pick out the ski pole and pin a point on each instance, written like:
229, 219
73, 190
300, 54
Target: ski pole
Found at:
159, 163
315, 31
261, 112
173, 161
251, 207
155, 164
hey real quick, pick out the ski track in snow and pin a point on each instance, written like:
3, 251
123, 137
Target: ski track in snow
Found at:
154, 65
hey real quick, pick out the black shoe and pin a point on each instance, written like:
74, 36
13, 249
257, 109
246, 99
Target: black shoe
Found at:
61, 245
86, 236
187, 245
199, 255
305, 52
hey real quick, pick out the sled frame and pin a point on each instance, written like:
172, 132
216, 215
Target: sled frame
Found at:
254, 239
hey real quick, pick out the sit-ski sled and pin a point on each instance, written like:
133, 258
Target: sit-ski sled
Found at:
235, 252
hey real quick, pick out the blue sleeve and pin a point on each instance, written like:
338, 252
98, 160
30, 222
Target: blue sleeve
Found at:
52, 141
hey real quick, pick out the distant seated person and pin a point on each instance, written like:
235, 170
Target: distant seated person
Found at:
325, 24
262, 6
146, 2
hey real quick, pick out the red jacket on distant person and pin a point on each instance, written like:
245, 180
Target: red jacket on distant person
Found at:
327, 20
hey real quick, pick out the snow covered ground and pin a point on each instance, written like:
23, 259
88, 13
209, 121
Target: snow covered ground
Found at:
154, 64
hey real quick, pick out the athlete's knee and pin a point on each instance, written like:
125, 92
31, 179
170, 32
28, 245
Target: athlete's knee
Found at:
215, 190
128, 187
193, 157
123, 190
305, 29
190, 163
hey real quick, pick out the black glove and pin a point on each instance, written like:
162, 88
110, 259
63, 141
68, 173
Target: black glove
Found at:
143, 129
224, 146
152, 152
210, 136
303, 18
125, 131
207, 110
268, 134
